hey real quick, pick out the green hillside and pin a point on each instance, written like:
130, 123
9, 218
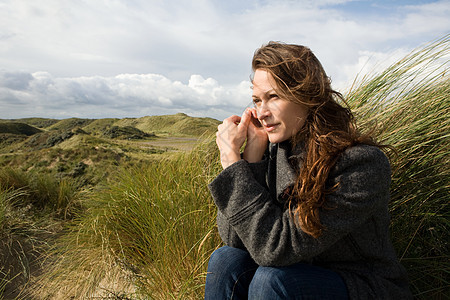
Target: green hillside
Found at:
126, 133
69, 124
177, 125
18, 128
36, 122
98, 126
23, 145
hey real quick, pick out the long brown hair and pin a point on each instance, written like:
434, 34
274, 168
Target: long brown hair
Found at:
329, 128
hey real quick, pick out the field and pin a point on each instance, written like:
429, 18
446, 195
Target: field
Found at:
119, 209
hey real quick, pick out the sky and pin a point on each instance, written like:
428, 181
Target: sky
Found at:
135, 58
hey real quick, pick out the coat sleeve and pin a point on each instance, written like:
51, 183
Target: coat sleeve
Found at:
267, 230
226, 231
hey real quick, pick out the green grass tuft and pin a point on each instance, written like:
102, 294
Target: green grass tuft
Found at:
21, 242
60, 198
409, 105
154, 225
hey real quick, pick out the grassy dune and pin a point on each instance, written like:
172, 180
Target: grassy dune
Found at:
98, 126
179, 124
18, 128
152, 226
47, 184
147, 231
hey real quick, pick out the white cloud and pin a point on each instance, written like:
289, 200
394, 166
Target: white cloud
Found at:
369, 62
75, 49
122, 96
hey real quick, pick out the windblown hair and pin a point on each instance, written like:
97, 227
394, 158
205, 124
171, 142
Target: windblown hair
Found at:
329, 128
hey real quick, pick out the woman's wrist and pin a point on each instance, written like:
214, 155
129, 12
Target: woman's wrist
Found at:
227, 159
253, 156
254, 150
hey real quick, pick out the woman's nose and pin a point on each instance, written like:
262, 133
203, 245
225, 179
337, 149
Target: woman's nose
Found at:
263, 111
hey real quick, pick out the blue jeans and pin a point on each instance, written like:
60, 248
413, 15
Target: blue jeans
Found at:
232, 274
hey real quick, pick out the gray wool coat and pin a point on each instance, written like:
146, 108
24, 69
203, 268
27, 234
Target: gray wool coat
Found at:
252, 215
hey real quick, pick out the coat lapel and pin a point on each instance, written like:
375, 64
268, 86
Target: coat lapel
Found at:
282, 174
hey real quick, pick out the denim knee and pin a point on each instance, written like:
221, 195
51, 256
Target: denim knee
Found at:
226, 259
300, 281
230, 271
267, 283
215, 259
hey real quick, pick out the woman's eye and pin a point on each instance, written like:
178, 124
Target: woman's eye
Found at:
273, 96
256, 102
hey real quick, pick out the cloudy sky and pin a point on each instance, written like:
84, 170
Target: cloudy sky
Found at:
132, 58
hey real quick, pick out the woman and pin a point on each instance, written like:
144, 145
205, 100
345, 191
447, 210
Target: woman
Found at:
303, 211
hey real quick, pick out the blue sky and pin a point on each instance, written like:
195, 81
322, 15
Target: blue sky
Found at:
122, 58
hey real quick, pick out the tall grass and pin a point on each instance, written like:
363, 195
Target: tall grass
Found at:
31, 207
60, 197
167, 224
409, 103
18, 244
152, 227
149, 233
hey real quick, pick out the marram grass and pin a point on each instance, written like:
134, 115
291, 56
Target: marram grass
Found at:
410, 106
20, 243
151, 230
166, 222
149, 233
60, 198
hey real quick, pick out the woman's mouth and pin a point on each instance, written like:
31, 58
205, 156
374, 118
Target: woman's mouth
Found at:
270, 127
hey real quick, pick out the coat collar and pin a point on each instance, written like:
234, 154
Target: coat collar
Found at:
287, 159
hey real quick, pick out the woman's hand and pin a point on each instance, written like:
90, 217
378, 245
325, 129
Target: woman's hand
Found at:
256, 139
230, 137
233, 132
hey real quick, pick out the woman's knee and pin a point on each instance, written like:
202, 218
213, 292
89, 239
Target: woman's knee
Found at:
226, 257
230, 271
268, 281
299, 281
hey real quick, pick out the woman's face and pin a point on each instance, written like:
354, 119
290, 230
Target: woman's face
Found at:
281, 118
